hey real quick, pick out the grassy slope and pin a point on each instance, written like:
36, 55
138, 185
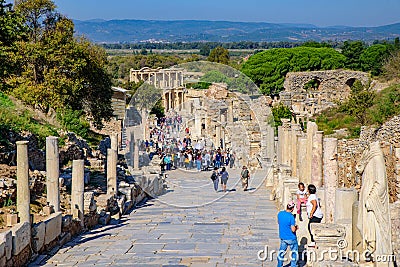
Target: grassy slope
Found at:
386, 105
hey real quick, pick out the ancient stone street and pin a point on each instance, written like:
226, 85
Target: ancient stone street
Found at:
191, 225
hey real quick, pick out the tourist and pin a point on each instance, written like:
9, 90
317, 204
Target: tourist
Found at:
198, 161
232, 160
214, 178
287, 235
313, 210
301, 198
218, 158
224, 177
245, 176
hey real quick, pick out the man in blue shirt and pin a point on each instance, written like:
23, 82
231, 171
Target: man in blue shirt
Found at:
287, 234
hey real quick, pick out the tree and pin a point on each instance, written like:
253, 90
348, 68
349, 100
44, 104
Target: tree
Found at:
59, 71
219, 55
281, 112
268, 69
352, 50
205, 50
373, 57
12, 30
391, 67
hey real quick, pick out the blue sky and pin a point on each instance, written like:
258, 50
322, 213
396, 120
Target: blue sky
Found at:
318, 12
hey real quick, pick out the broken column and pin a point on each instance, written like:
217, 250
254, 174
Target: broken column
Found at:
279, 145
317, 162
270, 144
286, 142
111, 171
311, 130
301, 157
23, 193
296, 130
345, 198
114, 142
52, 173
330, 176
131, 148
78, 189
136, 155
230, 111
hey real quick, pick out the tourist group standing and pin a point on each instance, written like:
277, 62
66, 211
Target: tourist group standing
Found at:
287, 222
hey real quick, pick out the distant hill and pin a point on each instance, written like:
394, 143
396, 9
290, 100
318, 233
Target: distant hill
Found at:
133, 31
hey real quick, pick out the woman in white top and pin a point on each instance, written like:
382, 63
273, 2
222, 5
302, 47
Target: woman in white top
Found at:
313, 210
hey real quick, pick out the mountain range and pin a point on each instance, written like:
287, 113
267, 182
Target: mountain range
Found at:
135, 31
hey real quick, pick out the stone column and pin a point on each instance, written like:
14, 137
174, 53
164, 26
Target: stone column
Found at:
136, 155
230, 111
114, 142
296, 130
311, 130
52, 173
279, 152
287, 145
301, 157
317, 162
330, 176
217, 136
23, 193
78, 189
270, 143
197, 125
111, 172
131, 148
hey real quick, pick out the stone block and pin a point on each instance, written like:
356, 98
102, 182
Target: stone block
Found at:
38, 233
53, 227
105, 219
21, 237
12, 219
6, 239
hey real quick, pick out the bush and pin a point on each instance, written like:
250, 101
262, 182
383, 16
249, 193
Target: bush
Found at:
73, 121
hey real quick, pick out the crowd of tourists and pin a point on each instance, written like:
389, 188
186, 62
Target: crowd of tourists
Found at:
176, 152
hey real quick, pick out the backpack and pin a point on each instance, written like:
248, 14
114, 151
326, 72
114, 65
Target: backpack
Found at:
245, 173
213, 176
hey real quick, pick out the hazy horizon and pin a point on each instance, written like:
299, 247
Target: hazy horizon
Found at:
358, 13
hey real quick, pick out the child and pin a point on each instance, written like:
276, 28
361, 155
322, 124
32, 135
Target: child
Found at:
301, 198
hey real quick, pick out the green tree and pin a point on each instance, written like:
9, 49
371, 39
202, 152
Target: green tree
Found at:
205, 50
373, 57
352, 50
60, 71
268, 68
361, 99
12, 30
219, 55
281, 112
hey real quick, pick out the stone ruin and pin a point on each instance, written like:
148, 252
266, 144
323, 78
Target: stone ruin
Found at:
25, 239
313, 91
344, 172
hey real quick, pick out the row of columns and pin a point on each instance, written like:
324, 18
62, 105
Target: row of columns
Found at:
174, 100
52, 178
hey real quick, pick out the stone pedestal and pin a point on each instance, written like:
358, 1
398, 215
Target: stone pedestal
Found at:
345, 197
111, 172
327, 237
78, 188
23, 193
52, 173
356, 235
330, 176
12, 219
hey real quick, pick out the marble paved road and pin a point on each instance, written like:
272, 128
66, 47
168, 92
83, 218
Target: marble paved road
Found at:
191, 225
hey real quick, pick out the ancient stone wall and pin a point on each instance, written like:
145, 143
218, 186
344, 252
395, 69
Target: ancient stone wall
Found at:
329, 87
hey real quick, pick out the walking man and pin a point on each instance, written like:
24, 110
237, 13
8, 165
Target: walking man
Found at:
245, 176
287, 234
214, 178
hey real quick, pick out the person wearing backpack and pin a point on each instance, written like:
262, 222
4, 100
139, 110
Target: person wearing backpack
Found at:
245, 176
214, 178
